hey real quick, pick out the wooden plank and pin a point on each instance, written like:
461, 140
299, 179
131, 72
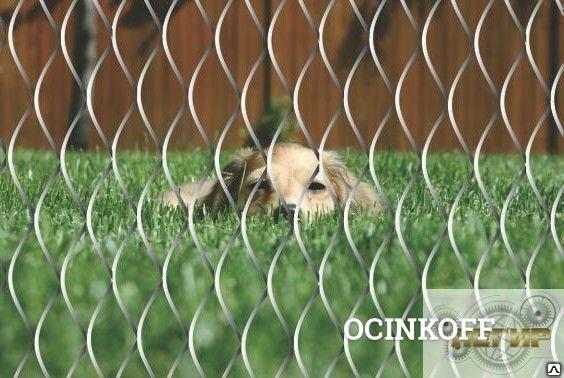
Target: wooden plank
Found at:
293, 40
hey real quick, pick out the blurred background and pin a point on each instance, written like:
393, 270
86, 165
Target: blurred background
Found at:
87, 37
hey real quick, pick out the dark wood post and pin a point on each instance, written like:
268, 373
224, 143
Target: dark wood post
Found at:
84, 60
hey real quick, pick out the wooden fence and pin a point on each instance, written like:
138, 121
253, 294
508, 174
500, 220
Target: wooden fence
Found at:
344, 38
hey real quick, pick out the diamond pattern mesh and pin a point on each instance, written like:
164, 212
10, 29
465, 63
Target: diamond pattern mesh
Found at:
213, 321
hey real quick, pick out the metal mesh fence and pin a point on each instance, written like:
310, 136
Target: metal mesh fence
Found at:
253, 326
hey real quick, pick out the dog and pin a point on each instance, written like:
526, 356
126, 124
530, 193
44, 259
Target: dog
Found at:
286, 186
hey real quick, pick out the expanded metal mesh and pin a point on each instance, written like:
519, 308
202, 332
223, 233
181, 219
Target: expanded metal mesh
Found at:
317, 267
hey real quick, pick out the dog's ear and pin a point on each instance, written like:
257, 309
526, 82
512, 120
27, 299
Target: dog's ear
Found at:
343, 182
233, 175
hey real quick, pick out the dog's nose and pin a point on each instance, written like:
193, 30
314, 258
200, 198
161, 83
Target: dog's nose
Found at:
292, 209
287, 211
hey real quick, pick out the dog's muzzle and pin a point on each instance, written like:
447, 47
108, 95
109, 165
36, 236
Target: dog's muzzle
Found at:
288, 211
291, 209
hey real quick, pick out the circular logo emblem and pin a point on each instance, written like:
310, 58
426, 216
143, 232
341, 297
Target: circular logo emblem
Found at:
503, 358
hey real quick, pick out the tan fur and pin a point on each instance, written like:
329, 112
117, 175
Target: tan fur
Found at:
189, 192
292, 168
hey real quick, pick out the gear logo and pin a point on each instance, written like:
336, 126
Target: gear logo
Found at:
454, 354
538, 311
495, 332
503, 358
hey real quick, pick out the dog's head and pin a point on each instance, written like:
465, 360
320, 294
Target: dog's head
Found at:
288, 180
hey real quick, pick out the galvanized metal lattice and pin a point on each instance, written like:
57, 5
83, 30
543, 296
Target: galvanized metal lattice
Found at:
268, 297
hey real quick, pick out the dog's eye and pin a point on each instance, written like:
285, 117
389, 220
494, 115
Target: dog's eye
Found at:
316, 186
264, 186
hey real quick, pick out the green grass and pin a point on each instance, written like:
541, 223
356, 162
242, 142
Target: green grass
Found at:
87, 281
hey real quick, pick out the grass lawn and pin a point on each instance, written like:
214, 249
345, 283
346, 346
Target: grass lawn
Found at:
87, 282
